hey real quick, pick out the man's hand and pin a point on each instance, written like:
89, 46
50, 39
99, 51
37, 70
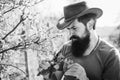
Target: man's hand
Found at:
44, 70
44, 65
76, 71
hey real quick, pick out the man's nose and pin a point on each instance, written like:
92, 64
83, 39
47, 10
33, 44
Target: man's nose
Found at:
72, 32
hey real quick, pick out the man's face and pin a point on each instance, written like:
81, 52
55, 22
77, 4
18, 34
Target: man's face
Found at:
77, 28
80, 36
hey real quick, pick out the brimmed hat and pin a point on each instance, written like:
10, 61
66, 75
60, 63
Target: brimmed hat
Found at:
71, 12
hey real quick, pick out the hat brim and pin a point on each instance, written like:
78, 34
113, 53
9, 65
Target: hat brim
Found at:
66, 23
63, 24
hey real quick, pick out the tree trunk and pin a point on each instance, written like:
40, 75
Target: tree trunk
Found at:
26, 65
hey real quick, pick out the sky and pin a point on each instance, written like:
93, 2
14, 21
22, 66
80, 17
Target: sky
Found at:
111, 10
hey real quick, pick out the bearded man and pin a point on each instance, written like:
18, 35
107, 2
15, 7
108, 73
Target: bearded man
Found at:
87, 56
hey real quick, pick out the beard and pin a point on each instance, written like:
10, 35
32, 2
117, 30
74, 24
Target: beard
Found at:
79, 45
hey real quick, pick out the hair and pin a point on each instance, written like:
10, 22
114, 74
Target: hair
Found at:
85, 18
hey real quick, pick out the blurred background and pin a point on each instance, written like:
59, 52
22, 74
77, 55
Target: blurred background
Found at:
28, 33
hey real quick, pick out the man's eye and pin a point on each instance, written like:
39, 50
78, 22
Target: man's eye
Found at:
68, 28
74, 28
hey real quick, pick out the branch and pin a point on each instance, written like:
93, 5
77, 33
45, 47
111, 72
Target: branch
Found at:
14, 6
37, 42
9, 10
11, 48
26, 44
13, 29
14, 67
37, 2
23, 45
21, 20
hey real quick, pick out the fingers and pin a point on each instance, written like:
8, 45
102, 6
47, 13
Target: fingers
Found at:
44, 65
77, 71
67, 63
75, 66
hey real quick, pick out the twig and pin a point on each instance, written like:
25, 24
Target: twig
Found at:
9, 10
13, 66
13, 29
34, 3
11, 48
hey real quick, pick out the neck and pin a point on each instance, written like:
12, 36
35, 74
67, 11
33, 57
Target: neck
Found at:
93, 42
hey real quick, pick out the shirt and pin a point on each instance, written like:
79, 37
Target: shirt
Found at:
103, 63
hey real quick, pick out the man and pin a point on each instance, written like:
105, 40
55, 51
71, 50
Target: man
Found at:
87, 56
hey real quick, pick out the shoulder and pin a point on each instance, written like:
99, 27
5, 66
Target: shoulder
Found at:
107, 51
110, 58
106, 48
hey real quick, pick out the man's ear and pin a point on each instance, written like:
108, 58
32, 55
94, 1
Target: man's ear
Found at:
90, 24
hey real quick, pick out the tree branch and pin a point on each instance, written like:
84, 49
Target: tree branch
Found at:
11, 48
13, 29
9, 10
37, 2
25, 44
14, 67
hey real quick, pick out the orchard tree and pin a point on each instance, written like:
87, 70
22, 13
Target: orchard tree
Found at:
28, 35
23, 30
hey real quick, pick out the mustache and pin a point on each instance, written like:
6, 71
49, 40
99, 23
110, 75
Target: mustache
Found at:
74, 37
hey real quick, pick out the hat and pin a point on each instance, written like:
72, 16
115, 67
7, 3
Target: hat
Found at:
71, 12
